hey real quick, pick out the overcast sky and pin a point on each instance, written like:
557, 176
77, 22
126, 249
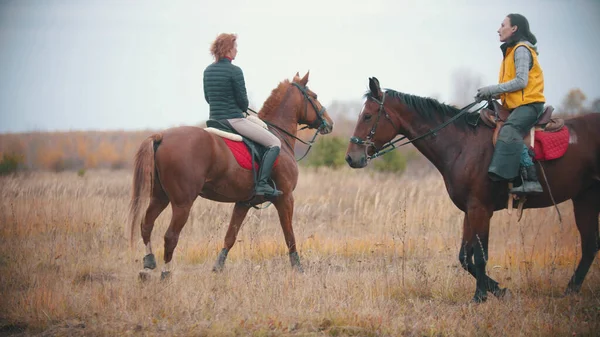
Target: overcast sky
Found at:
99, 65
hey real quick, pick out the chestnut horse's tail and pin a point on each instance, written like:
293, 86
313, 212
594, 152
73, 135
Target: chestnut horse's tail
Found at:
143, 180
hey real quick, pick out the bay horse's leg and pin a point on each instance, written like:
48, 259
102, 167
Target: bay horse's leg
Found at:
239, 214
285, 209
587, 207
180, 216
465, 256
477, 228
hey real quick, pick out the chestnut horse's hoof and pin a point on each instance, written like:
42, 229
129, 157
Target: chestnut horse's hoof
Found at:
298, 269
165, 275
145, 275
220, 263
149, 261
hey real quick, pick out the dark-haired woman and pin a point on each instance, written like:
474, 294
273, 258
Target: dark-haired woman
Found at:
521, 90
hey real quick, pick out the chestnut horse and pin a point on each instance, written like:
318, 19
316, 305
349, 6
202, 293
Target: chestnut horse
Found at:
463, 153
181, 163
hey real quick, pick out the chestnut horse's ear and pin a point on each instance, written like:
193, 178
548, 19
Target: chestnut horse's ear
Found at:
374, 87
304, 79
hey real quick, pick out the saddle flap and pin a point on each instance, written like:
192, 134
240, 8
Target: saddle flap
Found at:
546, 115
488, 118
500, 110
554, 125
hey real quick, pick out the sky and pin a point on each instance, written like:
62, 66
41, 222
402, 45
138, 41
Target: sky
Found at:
130, 65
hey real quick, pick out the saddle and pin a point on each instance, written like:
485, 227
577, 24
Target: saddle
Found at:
248, 153
223, 129
498, 114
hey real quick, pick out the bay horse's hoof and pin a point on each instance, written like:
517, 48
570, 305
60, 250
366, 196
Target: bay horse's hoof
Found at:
479, 297
149, 261
503, 294
217, 268
145, 275
165, 275
572, 290
295, 260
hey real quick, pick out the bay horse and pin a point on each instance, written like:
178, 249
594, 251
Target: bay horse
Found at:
462, 154
181, 163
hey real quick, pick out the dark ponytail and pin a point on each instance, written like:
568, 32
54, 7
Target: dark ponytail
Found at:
523, 32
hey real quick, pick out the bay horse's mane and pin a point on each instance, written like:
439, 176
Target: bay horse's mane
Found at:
425, 106
274, 100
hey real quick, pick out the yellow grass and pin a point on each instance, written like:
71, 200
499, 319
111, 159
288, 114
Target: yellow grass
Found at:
380, 254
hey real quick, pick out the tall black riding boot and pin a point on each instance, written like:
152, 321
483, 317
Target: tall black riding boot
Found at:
263, 187
530, 182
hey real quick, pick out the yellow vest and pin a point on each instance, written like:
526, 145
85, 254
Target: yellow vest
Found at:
533, 92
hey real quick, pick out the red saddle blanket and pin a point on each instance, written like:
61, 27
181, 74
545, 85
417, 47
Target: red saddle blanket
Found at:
242, 154
551, 145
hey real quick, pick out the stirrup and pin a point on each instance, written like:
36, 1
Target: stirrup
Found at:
267, 191
527, 187
274, 194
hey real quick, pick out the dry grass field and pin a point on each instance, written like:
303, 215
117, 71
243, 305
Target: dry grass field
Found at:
379, 252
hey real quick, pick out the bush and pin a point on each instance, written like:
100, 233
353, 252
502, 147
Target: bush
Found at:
10, 163
394, 161
328, 151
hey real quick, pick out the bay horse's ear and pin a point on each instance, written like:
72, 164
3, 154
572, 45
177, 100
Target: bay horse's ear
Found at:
304, 79
374, 87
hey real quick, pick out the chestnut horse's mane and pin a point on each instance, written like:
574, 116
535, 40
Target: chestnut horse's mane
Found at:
274, 100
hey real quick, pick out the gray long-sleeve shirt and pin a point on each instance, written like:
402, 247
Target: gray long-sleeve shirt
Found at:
523, 63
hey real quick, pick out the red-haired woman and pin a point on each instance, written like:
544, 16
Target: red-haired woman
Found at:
225, 92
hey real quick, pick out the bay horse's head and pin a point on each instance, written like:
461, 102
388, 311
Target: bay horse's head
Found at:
313, 114
374, 127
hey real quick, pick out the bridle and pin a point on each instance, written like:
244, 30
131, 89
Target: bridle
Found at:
318, 124
391, 145
369, 140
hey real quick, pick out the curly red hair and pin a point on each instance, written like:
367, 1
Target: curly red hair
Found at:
222, 45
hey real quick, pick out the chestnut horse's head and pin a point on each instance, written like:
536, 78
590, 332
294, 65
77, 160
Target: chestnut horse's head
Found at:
313, 114
374, 127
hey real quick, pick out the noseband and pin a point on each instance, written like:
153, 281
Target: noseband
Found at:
369, 140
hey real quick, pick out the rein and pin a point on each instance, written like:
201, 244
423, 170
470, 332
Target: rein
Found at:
391, 145
321, 120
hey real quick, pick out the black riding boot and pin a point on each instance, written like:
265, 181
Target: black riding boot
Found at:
530, 182
262, 186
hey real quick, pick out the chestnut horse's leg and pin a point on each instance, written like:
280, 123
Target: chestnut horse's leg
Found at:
285, 209
587, 207
239, 214
475, 238
158, 202
178, 220
465, 256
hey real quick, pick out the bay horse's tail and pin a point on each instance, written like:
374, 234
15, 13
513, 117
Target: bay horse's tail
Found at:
143, 180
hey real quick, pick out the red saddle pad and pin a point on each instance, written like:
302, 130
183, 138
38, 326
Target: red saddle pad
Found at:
551, 145
242, 154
